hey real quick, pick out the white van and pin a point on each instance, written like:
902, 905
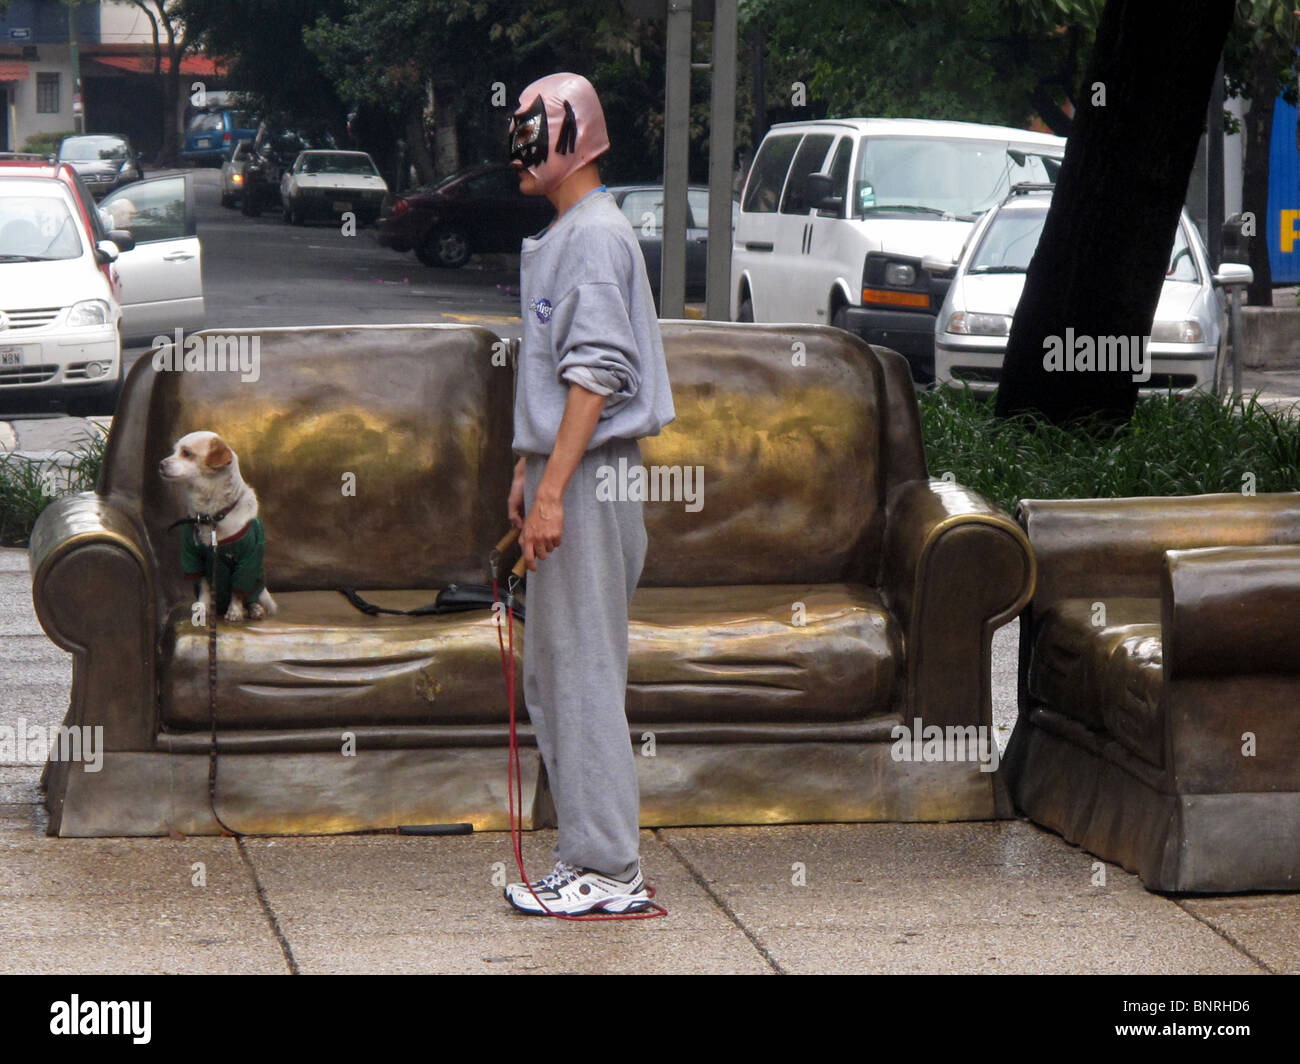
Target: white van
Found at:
838, 215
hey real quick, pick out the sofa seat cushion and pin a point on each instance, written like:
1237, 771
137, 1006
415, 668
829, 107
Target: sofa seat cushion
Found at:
764, 653
1072, 652
761, 652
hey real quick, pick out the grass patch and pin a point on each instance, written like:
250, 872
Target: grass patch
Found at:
27, 487
1173, 446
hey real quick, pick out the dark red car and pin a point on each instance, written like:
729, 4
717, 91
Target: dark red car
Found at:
476, 210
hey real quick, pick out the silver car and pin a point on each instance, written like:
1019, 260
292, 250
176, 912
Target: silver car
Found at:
975, 319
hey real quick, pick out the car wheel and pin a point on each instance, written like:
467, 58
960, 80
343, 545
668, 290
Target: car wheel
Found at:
446, 247
840, 319
746, 310
227, 200
294, 213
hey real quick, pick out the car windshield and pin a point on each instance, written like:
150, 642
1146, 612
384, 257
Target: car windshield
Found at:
88, 149
37, 229
1011, 237
338, 163
913, 176
1008, 242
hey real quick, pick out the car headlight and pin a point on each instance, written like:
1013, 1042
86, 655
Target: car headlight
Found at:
963, 324
90, 312
900, 275
1177, 332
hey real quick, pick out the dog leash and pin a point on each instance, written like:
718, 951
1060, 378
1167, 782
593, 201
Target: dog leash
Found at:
211, 612
514, 774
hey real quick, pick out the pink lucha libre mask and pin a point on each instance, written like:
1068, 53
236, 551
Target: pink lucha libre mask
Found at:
558, 128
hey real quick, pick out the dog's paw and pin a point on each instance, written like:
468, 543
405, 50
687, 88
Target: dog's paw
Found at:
235, 614
256, 612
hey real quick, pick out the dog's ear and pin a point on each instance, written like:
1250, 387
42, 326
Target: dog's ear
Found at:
219, 455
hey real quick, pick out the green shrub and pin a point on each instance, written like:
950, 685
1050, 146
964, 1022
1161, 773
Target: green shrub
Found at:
27, 487
46, 143
1188, 445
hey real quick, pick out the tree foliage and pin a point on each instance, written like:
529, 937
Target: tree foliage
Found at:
1001, 61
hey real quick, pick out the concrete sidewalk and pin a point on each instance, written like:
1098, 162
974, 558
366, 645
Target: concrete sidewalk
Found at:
878, 898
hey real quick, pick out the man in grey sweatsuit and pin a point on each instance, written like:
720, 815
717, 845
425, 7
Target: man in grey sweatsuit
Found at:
591, 381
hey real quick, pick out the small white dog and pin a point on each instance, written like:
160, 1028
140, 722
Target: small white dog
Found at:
216, 498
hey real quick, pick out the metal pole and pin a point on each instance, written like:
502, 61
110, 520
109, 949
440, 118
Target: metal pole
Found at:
677, 102
722, 140
1234, 304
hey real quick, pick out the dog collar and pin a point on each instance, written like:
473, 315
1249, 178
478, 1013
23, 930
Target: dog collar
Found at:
207, 519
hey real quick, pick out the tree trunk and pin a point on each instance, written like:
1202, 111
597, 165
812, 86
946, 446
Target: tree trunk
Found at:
1105, 246
417, 145
171, 101
1254, 182
447, 142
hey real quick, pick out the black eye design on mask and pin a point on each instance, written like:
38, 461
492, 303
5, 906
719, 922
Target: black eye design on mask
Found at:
568, 139
528, 134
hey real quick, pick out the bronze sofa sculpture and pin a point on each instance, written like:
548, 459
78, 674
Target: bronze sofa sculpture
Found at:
826, 590
1160, 687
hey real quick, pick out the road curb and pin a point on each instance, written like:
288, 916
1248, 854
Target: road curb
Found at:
8, 438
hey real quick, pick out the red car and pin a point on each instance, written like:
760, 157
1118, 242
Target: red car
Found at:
476, 210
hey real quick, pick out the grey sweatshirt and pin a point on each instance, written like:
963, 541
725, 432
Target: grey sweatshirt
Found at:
588, 319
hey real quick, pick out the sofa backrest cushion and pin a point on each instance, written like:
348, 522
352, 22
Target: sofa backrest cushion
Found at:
785, 423
380, 454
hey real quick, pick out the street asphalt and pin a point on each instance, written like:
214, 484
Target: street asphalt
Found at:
988, 897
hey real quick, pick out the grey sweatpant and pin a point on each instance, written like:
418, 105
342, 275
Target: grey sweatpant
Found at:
575, 664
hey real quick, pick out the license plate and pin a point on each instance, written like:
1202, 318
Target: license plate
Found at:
11, 356
340, 205
205, 143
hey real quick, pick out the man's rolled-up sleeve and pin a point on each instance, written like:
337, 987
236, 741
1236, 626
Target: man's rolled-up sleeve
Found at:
595, 343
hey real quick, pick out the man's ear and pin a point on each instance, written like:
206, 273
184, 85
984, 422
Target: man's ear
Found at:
219, 455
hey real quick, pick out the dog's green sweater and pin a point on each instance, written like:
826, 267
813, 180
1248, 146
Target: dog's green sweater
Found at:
239, 564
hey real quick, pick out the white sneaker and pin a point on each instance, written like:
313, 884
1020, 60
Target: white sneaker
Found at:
572, 891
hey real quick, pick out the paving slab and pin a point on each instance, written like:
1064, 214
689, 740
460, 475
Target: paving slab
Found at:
1265, 925
383, 904
945, 898
130, 905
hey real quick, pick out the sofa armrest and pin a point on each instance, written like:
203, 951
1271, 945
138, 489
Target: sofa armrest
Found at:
1099, 548
94, 589
1230, 611
955, 568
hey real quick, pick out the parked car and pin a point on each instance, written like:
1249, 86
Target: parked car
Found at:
233, 173
643, 205
478, 210
975, 320
273, 152
60, 343
326, 184
105, 161
212, 135
837, 216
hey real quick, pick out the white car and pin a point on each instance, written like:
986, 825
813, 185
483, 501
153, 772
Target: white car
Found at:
838, 215
329, 184
160, 279
975, 320
59, 319
74, 281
